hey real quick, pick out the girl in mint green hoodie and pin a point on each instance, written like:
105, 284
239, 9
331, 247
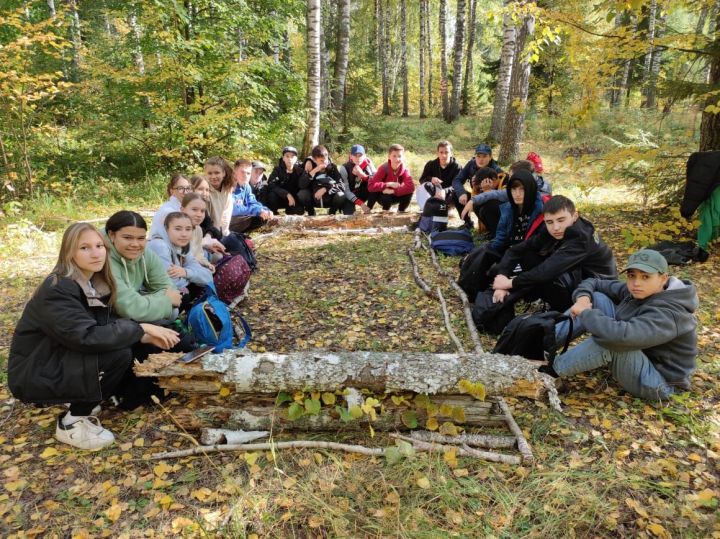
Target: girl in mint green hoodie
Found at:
145, 292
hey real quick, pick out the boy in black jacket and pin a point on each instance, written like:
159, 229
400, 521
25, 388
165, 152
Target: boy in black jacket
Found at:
552, 264
327, 185
358, 170
287, 186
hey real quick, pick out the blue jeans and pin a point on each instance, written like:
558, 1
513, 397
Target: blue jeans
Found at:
632, 369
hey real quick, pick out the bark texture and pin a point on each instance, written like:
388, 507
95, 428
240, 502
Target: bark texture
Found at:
312, 130
421, 58
378, 372
403, 58
517, 98
342, 54
502, 88
468, 95
458, 48
443, 60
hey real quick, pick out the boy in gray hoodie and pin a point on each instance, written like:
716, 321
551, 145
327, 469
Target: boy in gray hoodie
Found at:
644, 329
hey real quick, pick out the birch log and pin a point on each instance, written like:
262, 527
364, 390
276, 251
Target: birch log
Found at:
379, 372
360, 220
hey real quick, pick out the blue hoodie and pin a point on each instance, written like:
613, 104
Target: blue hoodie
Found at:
245, 203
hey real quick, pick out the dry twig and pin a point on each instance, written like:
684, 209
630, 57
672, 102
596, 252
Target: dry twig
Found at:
463, 451
522, 444
496, 441
296, 444
448, 324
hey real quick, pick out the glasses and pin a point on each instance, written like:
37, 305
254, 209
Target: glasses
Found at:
182, 189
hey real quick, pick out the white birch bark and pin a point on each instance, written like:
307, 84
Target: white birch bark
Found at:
312, 130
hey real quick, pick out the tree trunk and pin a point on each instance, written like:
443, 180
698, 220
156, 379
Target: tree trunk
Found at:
260, 413
421, 58
710, 123
378, 372
342, 53
502, 87
403, 56
76, 40
468, 93
443, 61
458, 47
312, 130
378, 39
324, 60
517, 98
428, 37
647, 62
384, 56
51, 7
651, 88
356, 221
614, 92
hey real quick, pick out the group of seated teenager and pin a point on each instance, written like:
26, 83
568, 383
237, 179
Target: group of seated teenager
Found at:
114, 295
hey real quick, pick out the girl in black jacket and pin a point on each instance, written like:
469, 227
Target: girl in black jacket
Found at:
68, 346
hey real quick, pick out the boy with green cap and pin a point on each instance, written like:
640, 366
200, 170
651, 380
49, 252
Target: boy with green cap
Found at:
644, 329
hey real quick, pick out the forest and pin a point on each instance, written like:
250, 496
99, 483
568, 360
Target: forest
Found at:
102, 100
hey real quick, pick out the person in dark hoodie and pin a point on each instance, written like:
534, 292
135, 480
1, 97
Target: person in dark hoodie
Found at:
644, 329
357, 173
327, 184
287, 186
552, 263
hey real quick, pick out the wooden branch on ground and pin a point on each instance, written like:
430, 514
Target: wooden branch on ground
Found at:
298, 444
260, 413
448, 323
416, 275
379, 372
356, 221
348, 231
462, 451
491, 441
227, 436
465, 303
522, 444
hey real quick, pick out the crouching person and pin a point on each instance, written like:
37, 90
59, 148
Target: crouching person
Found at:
69, 347
644, 329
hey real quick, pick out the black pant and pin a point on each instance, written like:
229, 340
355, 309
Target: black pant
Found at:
276, 202
489, 215
113, 367
460, 207
188, 299
245, 223
335, 203
387, 200
306, 201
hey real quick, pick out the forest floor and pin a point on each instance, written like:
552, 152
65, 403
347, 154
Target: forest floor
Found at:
608, 466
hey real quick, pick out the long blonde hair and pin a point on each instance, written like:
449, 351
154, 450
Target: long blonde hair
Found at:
66, 267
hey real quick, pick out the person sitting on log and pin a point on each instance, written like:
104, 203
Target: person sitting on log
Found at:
327, 184
487, 196
547, 266
247, 213
483, 158
356, 173
195, 207
284, 186
644, 329
176, 189
188, 275
393, 181
70, 347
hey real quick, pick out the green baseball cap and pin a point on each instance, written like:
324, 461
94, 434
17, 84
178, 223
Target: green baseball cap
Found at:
648, 261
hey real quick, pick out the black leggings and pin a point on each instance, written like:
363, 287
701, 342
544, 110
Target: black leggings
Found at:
386, 201
113, 367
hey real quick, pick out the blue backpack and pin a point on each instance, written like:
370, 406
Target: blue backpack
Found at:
210, 322
452, 242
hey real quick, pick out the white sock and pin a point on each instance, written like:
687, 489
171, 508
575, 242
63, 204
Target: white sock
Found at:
69, 419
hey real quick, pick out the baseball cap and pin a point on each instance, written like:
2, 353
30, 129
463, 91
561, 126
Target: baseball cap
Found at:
647, 260
356, 149
483, 148
291, 149
259, 164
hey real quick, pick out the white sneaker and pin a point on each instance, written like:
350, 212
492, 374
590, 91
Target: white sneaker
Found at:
85, 433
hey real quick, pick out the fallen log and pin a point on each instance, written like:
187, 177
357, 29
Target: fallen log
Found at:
251, 414
379, 372
361, 220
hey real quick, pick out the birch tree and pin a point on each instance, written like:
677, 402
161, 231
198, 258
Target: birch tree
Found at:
458, 47
403, 56
517, 97
469, 80
443, 60
502, 87
312, 130
342, 54
421, 58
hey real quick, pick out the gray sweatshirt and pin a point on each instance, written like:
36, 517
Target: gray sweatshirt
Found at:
662, 325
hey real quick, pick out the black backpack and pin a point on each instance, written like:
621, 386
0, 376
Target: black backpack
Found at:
474, 270
532, 336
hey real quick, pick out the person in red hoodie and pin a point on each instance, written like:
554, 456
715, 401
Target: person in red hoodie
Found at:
393, 181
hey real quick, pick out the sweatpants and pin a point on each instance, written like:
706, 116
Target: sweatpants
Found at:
631, 369
276, 203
